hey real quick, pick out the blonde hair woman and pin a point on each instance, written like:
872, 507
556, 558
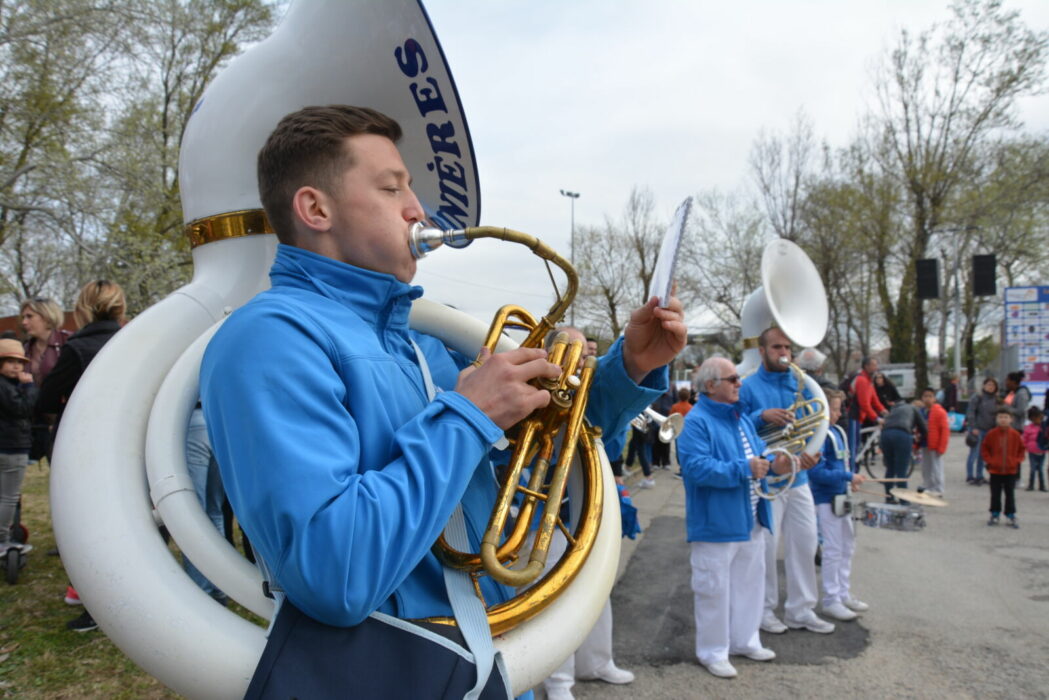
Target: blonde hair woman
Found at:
99, 314
41, 319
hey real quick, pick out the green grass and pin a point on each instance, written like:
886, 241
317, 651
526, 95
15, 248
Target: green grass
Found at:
39, 657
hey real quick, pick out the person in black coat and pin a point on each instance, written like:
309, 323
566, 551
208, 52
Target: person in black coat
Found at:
99, 315
17, 395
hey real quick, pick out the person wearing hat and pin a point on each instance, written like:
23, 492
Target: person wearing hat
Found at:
17, 397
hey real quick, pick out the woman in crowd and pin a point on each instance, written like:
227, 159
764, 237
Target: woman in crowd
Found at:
886, 390
99, 315
41, 320
979, 419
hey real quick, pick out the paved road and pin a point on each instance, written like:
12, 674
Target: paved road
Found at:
958, 610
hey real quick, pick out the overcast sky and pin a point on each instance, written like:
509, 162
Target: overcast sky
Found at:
597, 96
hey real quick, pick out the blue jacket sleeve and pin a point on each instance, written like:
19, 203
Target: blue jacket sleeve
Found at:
701, 463
826, 472
749, 404
615, 399
314, 505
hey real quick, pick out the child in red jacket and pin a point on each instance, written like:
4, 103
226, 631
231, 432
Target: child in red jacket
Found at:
1003, 451
935, 444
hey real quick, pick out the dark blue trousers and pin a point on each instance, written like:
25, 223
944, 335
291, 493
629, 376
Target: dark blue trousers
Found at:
896, 448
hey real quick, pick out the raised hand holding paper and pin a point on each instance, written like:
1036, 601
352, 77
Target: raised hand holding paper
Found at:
663, 276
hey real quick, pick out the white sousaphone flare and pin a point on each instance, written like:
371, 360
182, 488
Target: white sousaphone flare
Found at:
119, 459
792, 297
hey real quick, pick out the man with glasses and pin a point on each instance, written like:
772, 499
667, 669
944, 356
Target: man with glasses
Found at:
723, 462
767, 397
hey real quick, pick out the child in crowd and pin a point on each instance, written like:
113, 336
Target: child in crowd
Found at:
17, 397
936, 443
1035, 446
830, 479
1003, 451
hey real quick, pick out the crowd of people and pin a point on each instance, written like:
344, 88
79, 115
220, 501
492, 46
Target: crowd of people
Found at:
39, 376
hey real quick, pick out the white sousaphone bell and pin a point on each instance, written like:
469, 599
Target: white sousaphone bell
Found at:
119, 460
792, 297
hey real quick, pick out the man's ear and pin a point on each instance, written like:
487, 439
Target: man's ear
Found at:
312, 208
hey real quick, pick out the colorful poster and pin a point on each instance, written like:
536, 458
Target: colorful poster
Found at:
1027, 326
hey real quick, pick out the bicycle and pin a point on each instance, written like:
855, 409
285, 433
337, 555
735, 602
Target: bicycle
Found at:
867, 454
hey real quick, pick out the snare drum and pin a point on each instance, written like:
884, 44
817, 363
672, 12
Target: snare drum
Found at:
892, 516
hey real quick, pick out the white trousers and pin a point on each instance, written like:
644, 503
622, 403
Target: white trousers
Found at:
592, 656
932, 470
839, 542
727, 584
595, 653
794, 519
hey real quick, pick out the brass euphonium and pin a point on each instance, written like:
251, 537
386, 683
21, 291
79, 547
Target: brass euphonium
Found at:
545, 443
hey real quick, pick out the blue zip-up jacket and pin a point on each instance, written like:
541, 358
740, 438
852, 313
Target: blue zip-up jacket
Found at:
765, 389
717, 473
341, 470
831, 475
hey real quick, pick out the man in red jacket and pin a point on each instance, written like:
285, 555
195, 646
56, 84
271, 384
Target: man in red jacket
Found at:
936, 444
865, 409
1003, 450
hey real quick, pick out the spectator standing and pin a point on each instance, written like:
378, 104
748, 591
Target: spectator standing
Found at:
865, 408
41, 319
979, 419
99, 314
935, 444
640, 438
887, 392
683, 405
1035, 442
1017, 398
950, 394
660, 449
1003, 451
17, 396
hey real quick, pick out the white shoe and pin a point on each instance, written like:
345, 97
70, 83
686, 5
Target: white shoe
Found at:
611, 674
772, 624
559, 694
646, 483
811, 623
762, 654
857, 605
722, 669
839, 612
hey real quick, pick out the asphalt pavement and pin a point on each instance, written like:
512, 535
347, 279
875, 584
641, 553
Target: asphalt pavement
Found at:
958, 609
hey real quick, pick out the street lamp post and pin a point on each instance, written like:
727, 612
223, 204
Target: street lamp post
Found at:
571, 255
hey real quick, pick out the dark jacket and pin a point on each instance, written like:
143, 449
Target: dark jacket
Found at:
77, 353
982, 408
16, 405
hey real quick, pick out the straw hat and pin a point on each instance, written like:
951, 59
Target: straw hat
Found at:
11, 348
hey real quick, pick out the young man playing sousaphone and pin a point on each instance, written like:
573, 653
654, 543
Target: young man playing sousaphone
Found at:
767, 396
347, 441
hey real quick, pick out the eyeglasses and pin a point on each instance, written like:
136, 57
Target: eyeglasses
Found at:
735, 379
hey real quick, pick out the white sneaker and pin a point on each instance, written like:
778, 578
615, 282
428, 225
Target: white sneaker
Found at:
839, 612
611, 674
772, 624
559, 694
722, 669
811, 623
857, 605
762, 654
646, 483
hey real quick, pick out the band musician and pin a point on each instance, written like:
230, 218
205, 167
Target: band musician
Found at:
723, 461
767, 397
347, 441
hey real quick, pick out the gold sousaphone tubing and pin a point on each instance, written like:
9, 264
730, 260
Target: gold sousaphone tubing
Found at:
535, 445
793, 436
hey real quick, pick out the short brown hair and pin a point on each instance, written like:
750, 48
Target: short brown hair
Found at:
834, 394
100, 300
307, 148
